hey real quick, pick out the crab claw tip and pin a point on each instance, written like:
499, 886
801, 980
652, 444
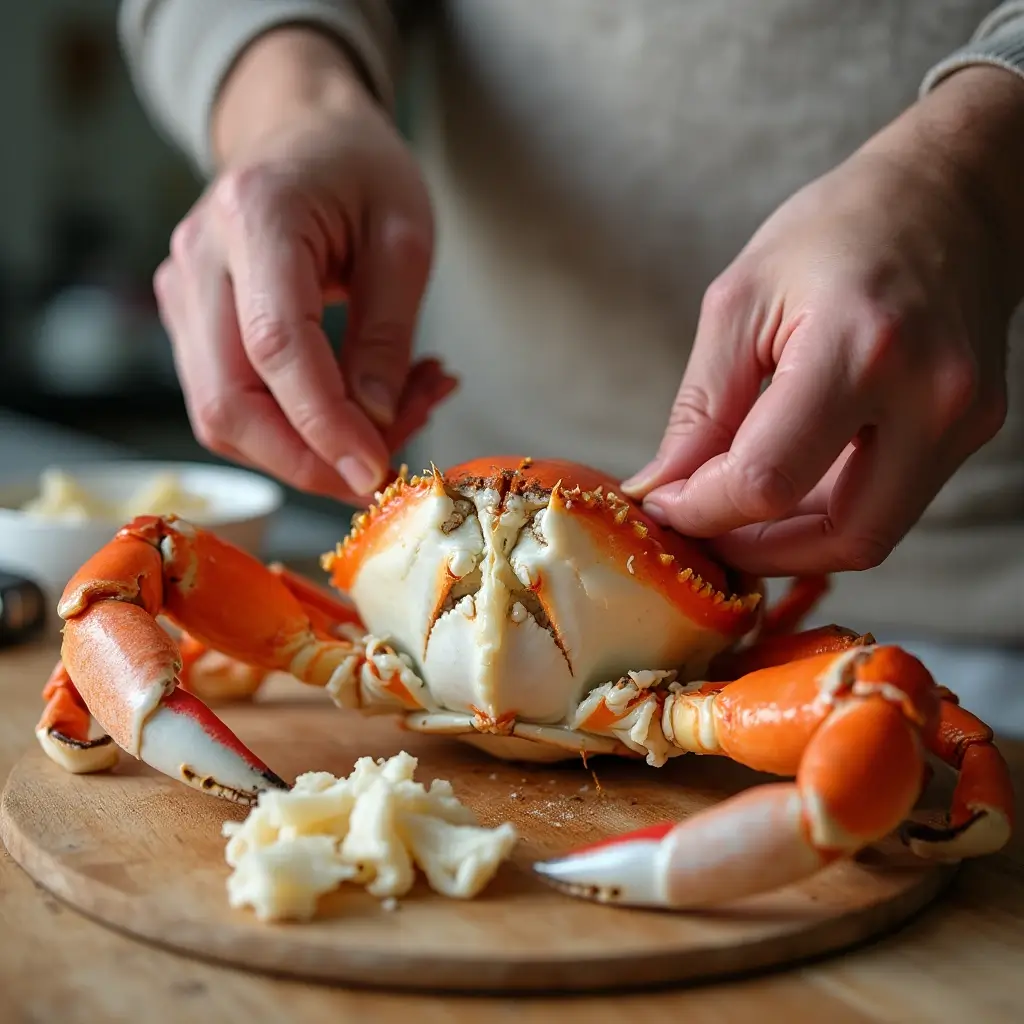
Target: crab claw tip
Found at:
627, 869
184, 739
80, 757
274, 781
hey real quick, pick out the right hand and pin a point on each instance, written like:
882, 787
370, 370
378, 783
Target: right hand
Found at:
317, 199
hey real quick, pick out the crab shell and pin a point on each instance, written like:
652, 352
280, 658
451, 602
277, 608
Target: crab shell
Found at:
515, 587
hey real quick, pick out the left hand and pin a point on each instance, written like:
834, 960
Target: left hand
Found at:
877, 300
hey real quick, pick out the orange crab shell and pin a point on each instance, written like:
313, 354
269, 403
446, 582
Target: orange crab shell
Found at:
726, 601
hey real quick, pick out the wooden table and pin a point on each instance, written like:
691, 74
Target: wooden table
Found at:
960, 961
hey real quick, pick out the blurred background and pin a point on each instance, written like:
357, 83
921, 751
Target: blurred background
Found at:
89, 194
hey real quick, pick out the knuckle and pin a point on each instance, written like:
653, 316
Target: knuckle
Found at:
308, 472
885, 331
411, 246
310, 423
214, 422
267, 340
957, 390
764, 492
691, 412
380, 342
725, 296
162, 282
239, 189
692, 403
186, 238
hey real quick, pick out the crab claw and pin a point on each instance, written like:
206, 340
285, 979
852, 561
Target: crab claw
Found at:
183, 738
751, 843
125, 668
626, 869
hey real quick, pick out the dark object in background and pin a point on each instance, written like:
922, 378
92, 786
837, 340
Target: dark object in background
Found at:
22, 609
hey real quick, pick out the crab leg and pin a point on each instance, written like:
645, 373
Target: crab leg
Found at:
982, 812
848, 726
216, 677
789, 611
783, 648
126, 668
325, 611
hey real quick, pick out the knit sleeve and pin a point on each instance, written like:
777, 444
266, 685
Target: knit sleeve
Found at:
998, 41
178, 53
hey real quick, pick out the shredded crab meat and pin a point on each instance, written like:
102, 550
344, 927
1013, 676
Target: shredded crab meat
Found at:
373, 828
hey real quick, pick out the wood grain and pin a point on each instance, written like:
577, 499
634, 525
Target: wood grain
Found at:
958, 960
144, 854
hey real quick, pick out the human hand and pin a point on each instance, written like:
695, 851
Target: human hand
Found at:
317, 199
877, 300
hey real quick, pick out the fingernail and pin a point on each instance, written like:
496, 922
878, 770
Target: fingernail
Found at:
375, 397
363, 479
641, 480
656, 511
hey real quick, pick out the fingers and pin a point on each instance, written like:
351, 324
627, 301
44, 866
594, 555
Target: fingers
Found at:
882, 490
279, 305
794, 433
229, 407
387, 287
721, 382
231, 411
426, 387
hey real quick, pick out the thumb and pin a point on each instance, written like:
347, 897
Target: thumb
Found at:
388, 280
719, 387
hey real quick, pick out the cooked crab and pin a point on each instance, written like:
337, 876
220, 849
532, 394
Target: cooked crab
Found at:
528, 608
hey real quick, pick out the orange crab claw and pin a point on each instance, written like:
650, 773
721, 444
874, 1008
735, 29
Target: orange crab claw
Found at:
63, 730
982, 813
141, 709
237, 622
849, 726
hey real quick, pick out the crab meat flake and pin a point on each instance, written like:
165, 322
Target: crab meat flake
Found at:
372, 828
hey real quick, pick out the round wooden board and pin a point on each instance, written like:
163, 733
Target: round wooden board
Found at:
144, 854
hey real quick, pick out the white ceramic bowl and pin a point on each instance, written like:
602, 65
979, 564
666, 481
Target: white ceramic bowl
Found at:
241, 505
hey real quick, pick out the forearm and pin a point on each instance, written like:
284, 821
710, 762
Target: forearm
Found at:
181, 52
968, 131
280, 76
967, 135
971, 115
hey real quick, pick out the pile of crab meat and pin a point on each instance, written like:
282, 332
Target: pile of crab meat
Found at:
373, 828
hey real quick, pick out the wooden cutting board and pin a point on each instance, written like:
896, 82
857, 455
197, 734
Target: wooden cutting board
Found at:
143, 854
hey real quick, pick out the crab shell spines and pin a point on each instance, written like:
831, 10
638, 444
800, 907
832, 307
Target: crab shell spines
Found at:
679, 567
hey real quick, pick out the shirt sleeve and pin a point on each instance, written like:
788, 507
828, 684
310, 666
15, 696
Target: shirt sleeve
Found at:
178, 53
998, 41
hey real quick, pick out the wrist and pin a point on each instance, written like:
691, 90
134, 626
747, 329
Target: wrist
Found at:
968, 136
279, 79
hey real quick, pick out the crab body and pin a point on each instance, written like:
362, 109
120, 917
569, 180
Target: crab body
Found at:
528, 608
515, 592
